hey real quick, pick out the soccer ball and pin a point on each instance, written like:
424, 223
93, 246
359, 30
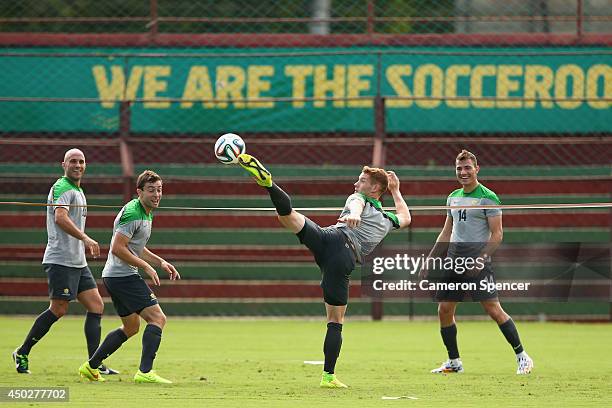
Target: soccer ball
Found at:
228, 147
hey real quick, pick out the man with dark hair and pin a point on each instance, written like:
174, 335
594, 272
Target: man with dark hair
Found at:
131, 296
362, 225
476, 234
64, 262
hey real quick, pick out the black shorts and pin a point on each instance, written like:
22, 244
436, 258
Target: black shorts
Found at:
334, 257
130, 294
477, 294
66, 282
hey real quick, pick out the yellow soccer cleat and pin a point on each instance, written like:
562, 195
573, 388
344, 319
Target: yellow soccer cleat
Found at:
330, 381
150, 377
262, 176
92, 374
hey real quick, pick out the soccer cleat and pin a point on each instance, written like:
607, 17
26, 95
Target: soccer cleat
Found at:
330, 381
21, 362
262, 176
150, 377
525, 364
107, 370
92, 374
449, 367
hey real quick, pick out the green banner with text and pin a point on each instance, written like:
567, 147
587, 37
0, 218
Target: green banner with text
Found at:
442, 89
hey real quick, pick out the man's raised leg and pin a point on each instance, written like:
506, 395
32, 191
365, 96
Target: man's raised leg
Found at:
290, 219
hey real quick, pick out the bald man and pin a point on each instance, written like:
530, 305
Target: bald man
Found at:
64, 262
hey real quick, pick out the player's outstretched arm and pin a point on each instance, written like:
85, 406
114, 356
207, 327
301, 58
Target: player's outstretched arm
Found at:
119, 248
401, 208
150, 257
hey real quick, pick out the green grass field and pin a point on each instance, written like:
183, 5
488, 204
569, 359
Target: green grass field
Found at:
260, 363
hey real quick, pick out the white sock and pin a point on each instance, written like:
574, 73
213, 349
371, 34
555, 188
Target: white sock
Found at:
455, 361
522, 354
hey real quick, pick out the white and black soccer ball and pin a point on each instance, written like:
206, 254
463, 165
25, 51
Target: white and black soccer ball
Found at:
228, 147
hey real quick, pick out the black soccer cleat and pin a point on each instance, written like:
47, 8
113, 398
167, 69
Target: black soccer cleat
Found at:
107, 370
